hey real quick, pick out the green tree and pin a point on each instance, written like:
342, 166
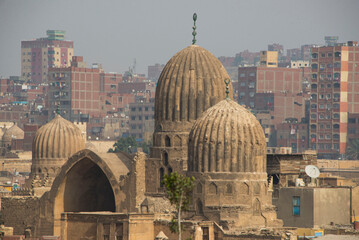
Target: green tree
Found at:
146, 146
179, 190
124, 145
353, 149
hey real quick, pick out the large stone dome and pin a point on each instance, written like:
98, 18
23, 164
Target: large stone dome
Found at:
191, 82
227, 138
13, 132
54, 143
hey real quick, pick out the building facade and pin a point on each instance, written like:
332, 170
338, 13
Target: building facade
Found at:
43, 53
334, 88
278, 90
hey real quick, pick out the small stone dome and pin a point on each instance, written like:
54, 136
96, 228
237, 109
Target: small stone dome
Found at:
58, 139
13, 132
190, 83
227, 138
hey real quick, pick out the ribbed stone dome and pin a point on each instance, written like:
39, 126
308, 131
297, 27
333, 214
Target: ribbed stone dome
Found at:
58, 139
191, 82
13, 132
227, 138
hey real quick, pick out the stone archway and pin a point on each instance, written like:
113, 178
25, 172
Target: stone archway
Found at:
84, 184
87, 189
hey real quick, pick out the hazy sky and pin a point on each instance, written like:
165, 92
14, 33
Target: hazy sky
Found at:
115, 32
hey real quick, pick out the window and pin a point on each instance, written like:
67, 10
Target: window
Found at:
146, 117
252, 74
328, 126
329, 65
336, 146
314, 76
133, 109
251, 85
336, 97
314, 86
328, 136
133, 118
140, 109
251, 94
314, 66
146, 109
321, 136
351, 120
242, 84
314, 96
329, 76
322, 55
321, 106
336, 115
322, 67
313, 116
336, 76
296, 206
330, 54
242, 75
337, 65
337, 54
321, 76
335, 136
314, 55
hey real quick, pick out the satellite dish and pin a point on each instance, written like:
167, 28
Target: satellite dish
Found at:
312, 171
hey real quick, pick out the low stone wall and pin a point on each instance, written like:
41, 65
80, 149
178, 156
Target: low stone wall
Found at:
20, 212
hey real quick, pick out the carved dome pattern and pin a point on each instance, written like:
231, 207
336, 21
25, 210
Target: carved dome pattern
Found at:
191, 82
227, 138
14, 132
58, 139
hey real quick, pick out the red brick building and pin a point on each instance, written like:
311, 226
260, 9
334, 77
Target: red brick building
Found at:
294, 135
78, 90
276, 89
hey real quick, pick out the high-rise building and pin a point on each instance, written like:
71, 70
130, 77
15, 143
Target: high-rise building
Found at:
269, 58
278, 90
275, 95
77, 90
334, 95
40, 54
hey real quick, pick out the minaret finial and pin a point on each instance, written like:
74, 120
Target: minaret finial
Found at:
58, 109
227, 81
194, 33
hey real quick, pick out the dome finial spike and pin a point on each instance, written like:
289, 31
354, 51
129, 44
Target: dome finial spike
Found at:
58, 109
194, 33
227, 81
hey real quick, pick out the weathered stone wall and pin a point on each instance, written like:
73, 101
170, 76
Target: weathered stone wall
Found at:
20, 213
